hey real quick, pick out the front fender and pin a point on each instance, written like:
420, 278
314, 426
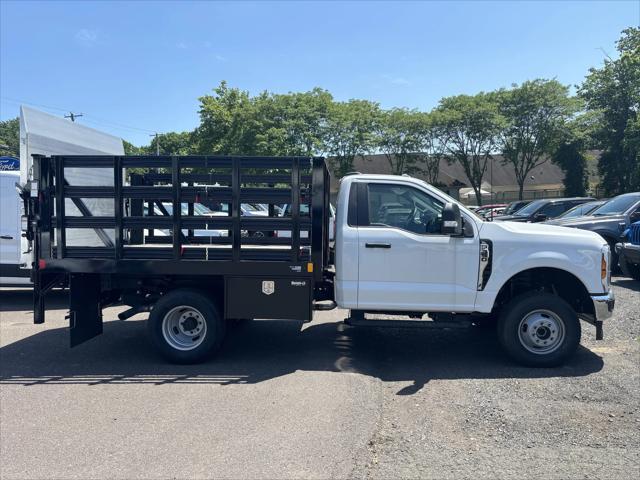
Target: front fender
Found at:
584, 264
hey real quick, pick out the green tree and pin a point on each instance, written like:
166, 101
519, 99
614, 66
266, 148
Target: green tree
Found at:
131, 149
10, 137
570, 157
401, 136
349, 131
614, 92
228, 123
173, 143
570, 152
433, 147
236, 123
293, 123
470, 126
534, 115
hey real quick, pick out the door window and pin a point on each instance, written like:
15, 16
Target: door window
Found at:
554, 209
404, 207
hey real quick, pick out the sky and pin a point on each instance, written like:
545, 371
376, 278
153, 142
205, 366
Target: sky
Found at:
134, 68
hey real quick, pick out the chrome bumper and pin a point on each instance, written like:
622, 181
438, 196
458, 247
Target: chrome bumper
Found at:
603, 305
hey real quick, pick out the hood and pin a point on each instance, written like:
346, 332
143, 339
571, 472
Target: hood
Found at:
587, 220
541, 233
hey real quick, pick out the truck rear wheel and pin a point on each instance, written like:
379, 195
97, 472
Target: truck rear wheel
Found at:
185, 326
539, 330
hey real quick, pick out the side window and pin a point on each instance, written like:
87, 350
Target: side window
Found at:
403, 207
554, 209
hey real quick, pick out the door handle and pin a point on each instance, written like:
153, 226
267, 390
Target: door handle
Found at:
377, 245
6, 237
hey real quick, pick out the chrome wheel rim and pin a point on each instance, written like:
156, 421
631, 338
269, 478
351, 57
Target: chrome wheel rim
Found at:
541, 332
184, 328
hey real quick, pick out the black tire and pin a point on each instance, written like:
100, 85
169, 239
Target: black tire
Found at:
629, 269
541, 306
203, 346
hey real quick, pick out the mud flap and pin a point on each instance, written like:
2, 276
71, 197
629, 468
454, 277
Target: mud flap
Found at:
85, 313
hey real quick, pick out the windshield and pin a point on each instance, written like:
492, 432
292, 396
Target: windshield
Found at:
514, 207
616, 206
530, 209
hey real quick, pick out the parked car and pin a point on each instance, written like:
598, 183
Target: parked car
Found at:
629, 251
610, 219
541, 210
490, 214
513, 207
198, 209
485, 209
578, 211
304, 211
246, 210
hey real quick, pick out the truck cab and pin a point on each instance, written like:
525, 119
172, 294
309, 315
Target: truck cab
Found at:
404, 246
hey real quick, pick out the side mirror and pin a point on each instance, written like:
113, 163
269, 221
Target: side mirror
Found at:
634, 217
539, 217
451, 220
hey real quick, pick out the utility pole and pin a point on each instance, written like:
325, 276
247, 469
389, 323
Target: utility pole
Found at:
157, 135
73, 116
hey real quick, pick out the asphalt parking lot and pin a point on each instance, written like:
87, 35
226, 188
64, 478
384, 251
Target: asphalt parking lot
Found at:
327, 401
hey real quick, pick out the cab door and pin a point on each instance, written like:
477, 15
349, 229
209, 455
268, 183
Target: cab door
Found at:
405, 263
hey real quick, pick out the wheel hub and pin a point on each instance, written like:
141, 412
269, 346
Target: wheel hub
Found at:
541, 331
184, 328
190, 324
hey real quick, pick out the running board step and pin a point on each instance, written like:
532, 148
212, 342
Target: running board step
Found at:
359, 322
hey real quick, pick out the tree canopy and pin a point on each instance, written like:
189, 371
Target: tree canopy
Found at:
613, 92
533, 114
10, 137
470, 126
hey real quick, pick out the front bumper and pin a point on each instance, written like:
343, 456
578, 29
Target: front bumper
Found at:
629, 251
603, 305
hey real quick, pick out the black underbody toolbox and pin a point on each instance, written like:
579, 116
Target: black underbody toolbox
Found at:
281, 298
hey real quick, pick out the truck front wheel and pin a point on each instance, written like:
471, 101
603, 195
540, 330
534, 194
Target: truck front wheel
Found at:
185, 326
539, 330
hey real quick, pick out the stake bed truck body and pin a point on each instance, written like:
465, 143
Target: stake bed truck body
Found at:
402, 248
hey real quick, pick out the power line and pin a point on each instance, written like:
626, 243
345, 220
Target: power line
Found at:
96, 120
18, 102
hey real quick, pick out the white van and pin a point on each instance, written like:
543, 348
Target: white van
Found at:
10, 232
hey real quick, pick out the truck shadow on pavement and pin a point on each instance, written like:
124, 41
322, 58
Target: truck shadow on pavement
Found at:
262, 350
21, 300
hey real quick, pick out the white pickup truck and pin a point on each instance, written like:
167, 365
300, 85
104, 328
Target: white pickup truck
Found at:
403, 248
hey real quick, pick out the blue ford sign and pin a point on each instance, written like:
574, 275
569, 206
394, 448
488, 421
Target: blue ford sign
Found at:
9, 163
